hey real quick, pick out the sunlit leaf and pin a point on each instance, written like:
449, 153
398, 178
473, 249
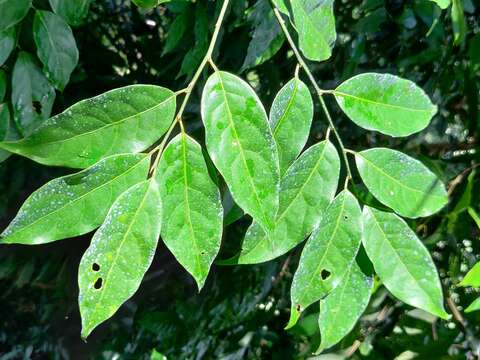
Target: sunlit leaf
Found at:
327, 255
8, 39
192, 220
75, 204
401, 182
474, 306
120, 253
473, 277
459, 23
290, 118
385, 103
306, 190
402, 262
72, 11
241, 145
443, 4
56, 47
128, 119
12, 11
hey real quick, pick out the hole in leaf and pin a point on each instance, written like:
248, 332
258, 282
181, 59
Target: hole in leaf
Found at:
325, 274
98, 284
95, 267
37, 107
298, 307
203, 253
345, 217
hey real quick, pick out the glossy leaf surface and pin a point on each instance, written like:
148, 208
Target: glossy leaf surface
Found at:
401, 182
473, 277
12, 11
385, 103
402, 262
327, 255
342, 308
291, 117
241, 145
128, 119
8, 39
306, 190
315, 24
56, 47
192, 220
72, 11
120, 253
75, 204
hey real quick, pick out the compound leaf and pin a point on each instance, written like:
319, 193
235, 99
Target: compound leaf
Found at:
401, 182
192, 220
241, 145
128, 119
120, 253
385, 103
327, 255
13, 11
75, 204
72, 11
402, 262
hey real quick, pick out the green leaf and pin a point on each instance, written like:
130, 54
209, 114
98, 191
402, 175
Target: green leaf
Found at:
8, 40
474, 306
401, 182
3, 84
13, 11
32, 94
281, 5
315, 24
128, 119
241, 145
192, 220
302, 205
459, 24
291, 117
342, 308
72, 11
474, 215
472, 278
75, 204
120, 253
402, 262
147, 4
4, 120
176, 31
443, 4
327, 255
56, 47
385, 103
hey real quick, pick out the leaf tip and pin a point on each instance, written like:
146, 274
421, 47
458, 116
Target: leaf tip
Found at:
294, 316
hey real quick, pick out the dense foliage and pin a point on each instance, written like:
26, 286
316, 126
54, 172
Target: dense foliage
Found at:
241, 310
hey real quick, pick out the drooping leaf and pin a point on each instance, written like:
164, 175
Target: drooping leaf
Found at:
291, 116
402, 262
75, 204
459, 23
241, 145
306, 190
72, 11
121, 251
342, 308
267, 36
473, 277
12, 11
128, 119
385, 103
315, 24
327, 255
192, 221
8, 39
443, 4
32, 94
474, 306
56, 47
401, 182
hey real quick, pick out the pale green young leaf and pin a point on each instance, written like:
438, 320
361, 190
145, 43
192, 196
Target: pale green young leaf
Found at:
56, 47
192, 221
8, 39
241, 145
315, 24
306, 190
459, 23
473, 277
72, 11
75, 204
120, 253
474, 306
385, 103
327, 255
13, 11
29, 86
342, 308
401, 182
291, 117
402, 262
443, 4
128, 119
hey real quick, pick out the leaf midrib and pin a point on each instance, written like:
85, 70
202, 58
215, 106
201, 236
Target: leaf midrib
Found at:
288, 108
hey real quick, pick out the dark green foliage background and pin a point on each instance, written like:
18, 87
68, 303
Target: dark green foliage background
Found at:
241, 312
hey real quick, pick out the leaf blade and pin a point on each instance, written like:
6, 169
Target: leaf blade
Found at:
13, 12
72, 11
